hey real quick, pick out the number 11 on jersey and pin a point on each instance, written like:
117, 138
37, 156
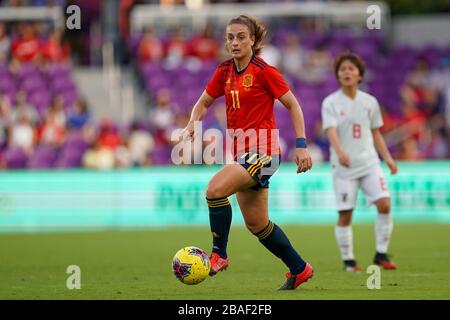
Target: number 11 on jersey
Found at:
235, 98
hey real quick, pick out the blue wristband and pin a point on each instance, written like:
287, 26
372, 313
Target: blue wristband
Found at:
300, 143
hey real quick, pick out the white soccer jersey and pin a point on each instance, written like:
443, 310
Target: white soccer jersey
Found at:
354, 120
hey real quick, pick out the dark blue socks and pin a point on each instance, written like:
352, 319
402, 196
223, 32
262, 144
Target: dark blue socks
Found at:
274, 239
220, 222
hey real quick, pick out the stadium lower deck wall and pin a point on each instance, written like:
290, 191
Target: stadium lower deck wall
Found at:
169, 196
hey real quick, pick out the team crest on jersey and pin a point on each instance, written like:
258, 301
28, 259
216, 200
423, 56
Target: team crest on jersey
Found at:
247, 82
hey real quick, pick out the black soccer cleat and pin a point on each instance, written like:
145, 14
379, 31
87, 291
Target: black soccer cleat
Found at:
351, 266
382, 259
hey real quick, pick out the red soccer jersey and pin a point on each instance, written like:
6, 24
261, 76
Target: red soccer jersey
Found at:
250, 95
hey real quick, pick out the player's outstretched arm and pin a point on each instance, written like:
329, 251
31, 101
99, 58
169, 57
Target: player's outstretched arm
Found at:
333, 137
198, 112
380, 145
302, 157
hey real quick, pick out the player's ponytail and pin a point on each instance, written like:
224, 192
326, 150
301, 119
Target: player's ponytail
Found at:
257, 29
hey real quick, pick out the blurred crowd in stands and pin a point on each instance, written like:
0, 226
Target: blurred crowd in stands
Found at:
45, 123
411, 84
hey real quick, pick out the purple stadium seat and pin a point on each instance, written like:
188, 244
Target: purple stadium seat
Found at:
342, 38
27, 71
61, 84
4, 72
33, 83
70, 96
11, 93
161, 155
311, 40
58, 71
154, 83
75, 141
149, 69
15, 158
70, 157
41, 99
365, 49
7, 83
431, 54
43, 157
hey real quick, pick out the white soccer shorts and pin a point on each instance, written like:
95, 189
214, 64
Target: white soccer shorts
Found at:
373, 185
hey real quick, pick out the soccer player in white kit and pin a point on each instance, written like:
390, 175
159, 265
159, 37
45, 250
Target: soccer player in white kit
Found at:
352, 119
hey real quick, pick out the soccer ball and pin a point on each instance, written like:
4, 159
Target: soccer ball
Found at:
191, 265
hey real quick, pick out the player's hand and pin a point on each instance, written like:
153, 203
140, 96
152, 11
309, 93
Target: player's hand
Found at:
392, 166
344, 159
303, 160
188, 131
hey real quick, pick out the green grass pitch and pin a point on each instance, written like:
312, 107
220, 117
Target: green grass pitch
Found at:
137, 265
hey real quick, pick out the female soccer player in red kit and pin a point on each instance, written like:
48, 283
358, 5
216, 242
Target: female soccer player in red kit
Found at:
250, 87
